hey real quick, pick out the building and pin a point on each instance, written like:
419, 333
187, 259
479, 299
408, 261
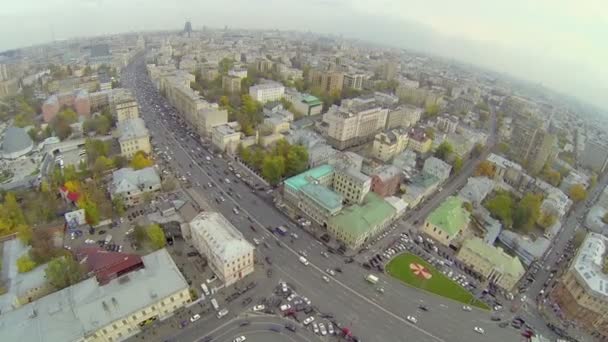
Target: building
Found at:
492, 263
16, 143
476, 190
263, 65
270, 91
107, 265
356, 224
89, 311
229, 254
448, 222
353, 81
124, 105
307, 104
530, 142
352, 184
78, 100
595, 155
327, 81
238, 72
437, 168
276, 124
388, 144
322, 175
226, 138
133, 185
319, 202
419, 187
419, 141
133, 137
581, 293
447, 123
231, 84
388, 70
403, 116
9, 87
354, 122
386, 181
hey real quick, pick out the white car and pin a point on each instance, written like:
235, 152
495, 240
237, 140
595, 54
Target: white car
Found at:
240, 339
195, 318
326, 278
308, 320
285, 307
322, 329
256, 241
466, 308
291, 297
330, 329
479, 330
330, 272
258, 308
315, 328
306, 300
412, 319
89, 241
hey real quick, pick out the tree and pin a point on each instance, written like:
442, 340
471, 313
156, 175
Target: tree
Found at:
605, 218
485, 168
141, 160
527, 212
169, 184
118, 204
503, 148
551, 176
25, 263
297, 159
468, 206
70, 174
477, 150
273, 168
444, 150
96, 148
224, 102
25, 233
102, 164
156, 236
91, 210
72, 186
430, 132
578, 192
63, 271
457, 164
119, 161
546, 220
68, 115
431, 110
225, 65
501, 207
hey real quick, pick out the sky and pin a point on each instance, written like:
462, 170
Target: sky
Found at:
558, 43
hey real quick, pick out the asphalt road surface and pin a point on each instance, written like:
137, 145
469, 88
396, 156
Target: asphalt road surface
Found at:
354, 302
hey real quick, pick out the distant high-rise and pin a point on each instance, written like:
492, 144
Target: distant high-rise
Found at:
188, 28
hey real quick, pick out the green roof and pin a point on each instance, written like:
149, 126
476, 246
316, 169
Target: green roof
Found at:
450, 216
359, 219
311, 100
496, 256
323, 196
297, 182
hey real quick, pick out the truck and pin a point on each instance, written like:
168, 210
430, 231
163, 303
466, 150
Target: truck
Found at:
371, 278
205, 289
281, 230
216, 306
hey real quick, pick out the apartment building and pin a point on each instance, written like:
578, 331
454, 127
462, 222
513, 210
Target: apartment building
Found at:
447, 223
447, 123
492, 263
581, 292
133, 185
133, 137
437, 168
319, 202
354, 122
269, 91
323, 175
419, 141
231, 84
388, 144
353, 81
230, 255
89, 311
326, 81
124, 105
226, 138
403, 116
352, 184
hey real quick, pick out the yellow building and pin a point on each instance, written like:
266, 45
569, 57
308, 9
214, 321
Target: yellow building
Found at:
125, 106
225, 138
276, 125
419, 141
231, 84
352, 184
327, 81
388, 144
133, 137
492, 263
448, 222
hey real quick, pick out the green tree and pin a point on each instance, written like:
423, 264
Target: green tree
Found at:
485, 168
91, 210
102, 164
457, 164
69, 115
119, 161
156, 236
527, 212
140, 161
225, 65
273, 168
23, 120
25, 263
578, 192
501, 207
477, 150
551, 176
64, 271
444, 150
25, 234
431, 110
118, 204
546, 220
297, 159
96, 148
430, 132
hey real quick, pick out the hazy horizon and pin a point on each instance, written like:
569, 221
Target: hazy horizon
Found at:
559, 44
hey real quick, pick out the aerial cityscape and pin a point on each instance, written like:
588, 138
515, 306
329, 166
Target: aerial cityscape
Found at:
222, 184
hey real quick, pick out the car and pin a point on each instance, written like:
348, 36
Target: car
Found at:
291, 327
291, 297
479, 330
325, 278
240, 339
495, 318
325, 254
315, 328
308, 320
285, 307
380, 289
412, 319
503, 324
101, 232
195, 318
256, 241
466, 308
306, 300
330, 329
423, 308
330, 272
322, 329
259, 307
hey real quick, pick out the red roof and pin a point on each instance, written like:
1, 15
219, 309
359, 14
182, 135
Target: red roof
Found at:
72, 196
107, 265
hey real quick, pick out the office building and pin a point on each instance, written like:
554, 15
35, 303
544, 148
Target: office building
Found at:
447, 223
230, 255
132, 185
269, 91
388, 144
231, 84
124, 105
327, 81
353, 81
355, 122
133, 137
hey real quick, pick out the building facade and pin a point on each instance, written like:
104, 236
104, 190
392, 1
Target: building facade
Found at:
326, 81
448, 222
353, 123
388, 144
125, 106
231, 84
133, 137
271, 91
419, 141
352, 184
132, 185
353, 81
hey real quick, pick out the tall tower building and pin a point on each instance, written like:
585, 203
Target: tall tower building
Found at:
188, 28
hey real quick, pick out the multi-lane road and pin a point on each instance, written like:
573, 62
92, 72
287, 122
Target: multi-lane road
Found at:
355, 303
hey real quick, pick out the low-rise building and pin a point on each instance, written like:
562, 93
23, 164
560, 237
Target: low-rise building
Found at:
448, 222
476, 190
133, 137
447, 123
386, 181
419, 141
230, 255
269, 91
319, 202
390, 143
437, 168
492, 263
132, 185
403, 116
225, 138
322, 175
276, 124
124, 105
356, 224
352, 184
304, 103
420, 186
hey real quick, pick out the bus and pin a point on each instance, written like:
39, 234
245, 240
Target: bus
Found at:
216, 306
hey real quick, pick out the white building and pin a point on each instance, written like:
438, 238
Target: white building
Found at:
437, 168
131, 184
229, 254
271, 91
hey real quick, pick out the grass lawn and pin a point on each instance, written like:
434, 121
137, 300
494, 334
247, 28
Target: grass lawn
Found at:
437, 283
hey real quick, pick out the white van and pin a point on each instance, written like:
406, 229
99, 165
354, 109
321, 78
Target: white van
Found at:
304, 261
205, 289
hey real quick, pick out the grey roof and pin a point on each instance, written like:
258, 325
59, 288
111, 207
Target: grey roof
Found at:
132, 129
100, 50
477, 189
127, 179
224, 241
81, 309
16, 139
589, 262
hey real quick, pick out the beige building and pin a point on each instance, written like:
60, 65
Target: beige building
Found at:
492, 263
90, 312
276, 124
351, 184
226, 138
581, 292
390, 143
354, 122
230, 255
231, 84
265, 92
327, 81
448, 222
132, 185
354, 81
133, 137
403, 116
419, 141
124, 105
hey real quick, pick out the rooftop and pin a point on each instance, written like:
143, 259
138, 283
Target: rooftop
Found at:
225, 242
360, 219
127, 179
503, 162
589, 262
311, 100
107, 265
132, 129
501, 261
297, 182
450, 216
323, 196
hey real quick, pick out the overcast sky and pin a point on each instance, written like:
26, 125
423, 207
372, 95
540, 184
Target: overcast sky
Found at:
560, 43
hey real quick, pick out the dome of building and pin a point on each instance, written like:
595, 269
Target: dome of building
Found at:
16, 143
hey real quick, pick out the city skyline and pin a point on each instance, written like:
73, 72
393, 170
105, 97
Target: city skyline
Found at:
526, 40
